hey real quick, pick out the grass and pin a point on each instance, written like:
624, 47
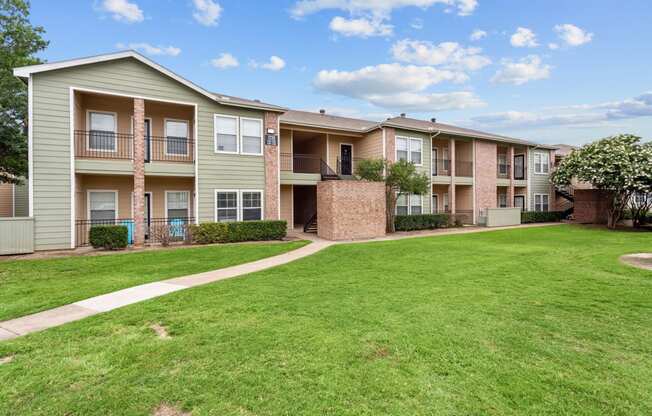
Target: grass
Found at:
28, 286
539, 321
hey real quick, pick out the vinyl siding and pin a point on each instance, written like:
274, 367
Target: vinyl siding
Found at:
51, 140
21, 199
539, 184
425, 159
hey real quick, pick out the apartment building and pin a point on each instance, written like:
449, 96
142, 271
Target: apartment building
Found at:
118, 138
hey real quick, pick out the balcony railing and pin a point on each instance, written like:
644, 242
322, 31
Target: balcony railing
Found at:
441, 167
108, 145
463, 168
300, 163
354, 166
157, 230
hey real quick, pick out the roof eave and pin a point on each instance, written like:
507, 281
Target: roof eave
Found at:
321, 126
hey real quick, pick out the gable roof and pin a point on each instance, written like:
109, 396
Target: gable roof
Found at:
309, 119
26, 71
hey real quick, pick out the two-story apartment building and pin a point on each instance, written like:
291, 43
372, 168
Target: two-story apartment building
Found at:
118, 138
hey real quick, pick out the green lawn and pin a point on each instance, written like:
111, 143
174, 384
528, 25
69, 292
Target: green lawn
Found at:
538, 321
28, 286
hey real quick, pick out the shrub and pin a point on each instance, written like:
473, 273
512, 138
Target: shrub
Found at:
232, 232
421, 222
528, 217
109, 237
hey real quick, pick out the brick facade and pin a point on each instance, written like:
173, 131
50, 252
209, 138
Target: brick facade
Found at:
486, 167
272, 180
452, 198
510, 168
591, 206
139, 172
349, 210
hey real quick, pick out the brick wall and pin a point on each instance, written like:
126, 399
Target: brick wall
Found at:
271, 154
139, 171
591, 206
349, 210
485, 175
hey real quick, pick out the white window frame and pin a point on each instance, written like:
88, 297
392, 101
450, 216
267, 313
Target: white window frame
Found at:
188, 210
409, 148
541, 203
237, 134
542, 156
165, 136
409, 203
241, 137
237, 199
115, 130
503, 195
115, 197
262, 203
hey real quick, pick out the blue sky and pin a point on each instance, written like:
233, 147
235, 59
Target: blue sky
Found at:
543, 70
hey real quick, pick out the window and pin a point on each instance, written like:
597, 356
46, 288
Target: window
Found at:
226, 134
252, 205
541, 202
176, 137
226, 206
446, 207
102, 128
102, 206
408, 204
177, 203
447, 160
502, 164
541, 163
415, 204
502, 200
409, 149
402, 204
252, 136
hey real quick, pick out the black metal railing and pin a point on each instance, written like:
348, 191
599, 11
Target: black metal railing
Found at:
326, 171
354, 166
463, 168
157, 230
441, 167
83, 228
91, 144
303, 163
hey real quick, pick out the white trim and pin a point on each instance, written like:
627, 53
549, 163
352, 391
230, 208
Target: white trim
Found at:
239, 201
547, 155
409, 148
328, 149
237, 133
262, 202
535, 202
409, 205
165, 136
115, 130
166, 202
143, 97
262, 133
237, 198
116, 199
340, 155
30, 150
73, 185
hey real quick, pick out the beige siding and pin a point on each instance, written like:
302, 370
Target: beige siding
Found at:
370, 146
334, 142
426, 156
287, 204
51, 146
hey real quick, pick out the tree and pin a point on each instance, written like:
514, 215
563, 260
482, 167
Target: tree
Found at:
640, 206
19, 41
400, 178
618, 164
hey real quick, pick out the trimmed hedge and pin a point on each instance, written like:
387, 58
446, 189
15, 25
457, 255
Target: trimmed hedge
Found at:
421, 222
233, 232
109, 237
528, 217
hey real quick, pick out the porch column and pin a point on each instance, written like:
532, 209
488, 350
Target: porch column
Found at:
452, 168
510, 189
139, 172
272, 198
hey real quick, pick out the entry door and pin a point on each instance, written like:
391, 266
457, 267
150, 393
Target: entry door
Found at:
148, 140
519, 167
519, 202
435, 172
346, 167
435, 203
148, 213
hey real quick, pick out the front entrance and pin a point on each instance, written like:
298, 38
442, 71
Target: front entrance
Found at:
435, 203
519, 167
346, 159
519, 202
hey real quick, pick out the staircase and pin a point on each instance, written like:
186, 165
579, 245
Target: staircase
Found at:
567, 207
311, 225
328, 174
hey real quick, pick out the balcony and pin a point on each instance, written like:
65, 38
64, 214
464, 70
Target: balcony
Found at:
305, 169
343, 169
441, 167
464, 168
157, 230
118, 146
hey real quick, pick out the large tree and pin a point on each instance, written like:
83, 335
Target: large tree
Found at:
400, 178
620, 164
19, 41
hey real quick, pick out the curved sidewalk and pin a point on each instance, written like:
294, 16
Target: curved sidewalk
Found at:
104, 303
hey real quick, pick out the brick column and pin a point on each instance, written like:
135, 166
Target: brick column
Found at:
451, 194
139, 172
510, 189
272, 180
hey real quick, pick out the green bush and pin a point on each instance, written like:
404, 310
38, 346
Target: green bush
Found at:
109, 237
232, 232
528, 217
421, 222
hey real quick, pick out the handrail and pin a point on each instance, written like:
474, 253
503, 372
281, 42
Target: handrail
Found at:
312, 219
326, 171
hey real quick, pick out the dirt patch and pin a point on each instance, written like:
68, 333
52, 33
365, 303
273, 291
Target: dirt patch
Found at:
7, 359
377, 352
167, 410
640, 260
160, 331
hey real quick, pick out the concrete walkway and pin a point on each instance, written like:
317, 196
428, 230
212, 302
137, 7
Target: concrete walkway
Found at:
104, 303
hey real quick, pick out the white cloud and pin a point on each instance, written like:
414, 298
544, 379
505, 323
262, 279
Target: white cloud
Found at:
151, 49
573, 35
123, 10
477, 35
382, 8
448, 54
396, 86
207, 12
526, 69
275, 63
417, 24
524, 38
225, 61
361, 27
553, 46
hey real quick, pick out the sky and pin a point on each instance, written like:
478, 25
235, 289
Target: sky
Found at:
542, 70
